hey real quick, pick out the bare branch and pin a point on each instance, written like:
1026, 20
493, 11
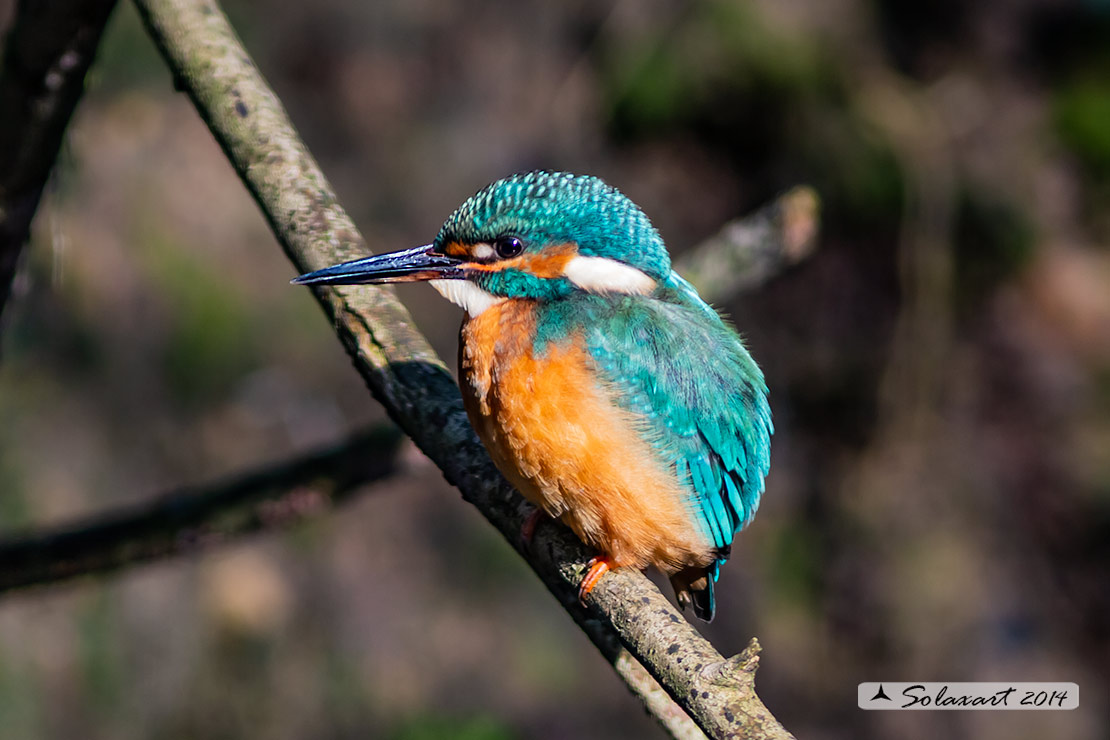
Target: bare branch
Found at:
747, 252
403, 372
48, 51
193, 518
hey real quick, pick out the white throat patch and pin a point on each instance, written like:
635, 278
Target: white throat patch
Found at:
463, 293
603, 275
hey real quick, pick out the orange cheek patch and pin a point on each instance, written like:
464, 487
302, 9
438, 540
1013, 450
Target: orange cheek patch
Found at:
551, 262
455, 249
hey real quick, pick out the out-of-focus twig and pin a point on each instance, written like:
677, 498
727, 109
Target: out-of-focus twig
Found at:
747, 252
192, 518
403, 372
47, 52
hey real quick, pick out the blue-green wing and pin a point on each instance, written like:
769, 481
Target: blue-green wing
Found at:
703, 398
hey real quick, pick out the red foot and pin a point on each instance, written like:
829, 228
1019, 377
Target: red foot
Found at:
528, 529
599, 566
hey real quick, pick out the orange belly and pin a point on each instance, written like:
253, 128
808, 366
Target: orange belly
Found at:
557, 435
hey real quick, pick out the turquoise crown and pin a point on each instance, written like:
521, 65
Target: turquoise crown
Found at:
545, 208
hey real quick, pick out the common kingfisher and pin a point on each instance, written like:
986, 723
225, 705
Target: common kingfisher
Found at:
607, 392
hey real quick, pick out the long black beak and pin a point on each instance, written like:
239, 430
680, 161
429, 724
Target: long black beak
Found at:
406, 266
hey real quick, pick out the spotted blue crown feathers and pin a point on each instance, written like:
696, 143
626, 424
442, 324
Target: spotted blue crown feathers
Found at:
558, 207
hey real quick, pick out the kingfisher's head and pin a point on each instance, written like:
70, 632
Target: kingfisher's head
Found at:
538, 235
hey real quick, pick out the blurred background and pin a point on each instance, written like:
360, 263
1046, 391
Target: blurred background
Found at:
939, 501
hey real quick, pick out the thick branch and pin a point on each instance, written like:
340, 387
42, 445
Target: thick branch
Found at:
48, 51
404, 374
193, 518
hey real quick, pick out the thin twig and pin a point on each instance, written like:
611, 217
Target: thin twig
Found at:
48, 50
193, 518
403, 372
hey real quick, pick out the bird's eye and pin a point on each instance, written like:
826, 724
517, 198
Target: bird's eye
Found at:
508, 246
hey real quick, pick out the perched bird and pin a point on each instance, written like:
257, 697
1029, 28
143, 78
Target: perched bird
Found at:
604, 388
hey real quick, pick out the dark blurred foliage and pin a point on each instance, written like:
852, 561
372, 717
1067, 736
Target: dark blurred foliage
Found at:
939, 506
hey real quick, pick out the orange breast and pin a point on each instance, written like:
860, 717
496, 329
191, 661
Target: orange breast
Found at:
557, 435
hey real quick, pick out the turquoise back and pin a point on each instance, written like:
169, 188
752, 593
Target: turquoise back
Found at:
703, 401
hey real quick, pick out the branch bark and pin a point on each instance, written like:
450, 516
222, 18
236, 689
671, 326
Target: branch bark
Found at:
748, 251
48, 51
404, 374
194, 518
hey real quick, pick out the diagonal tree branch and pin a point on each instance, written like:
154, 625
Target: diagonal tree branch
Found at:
404, 374
193, 518
49, 49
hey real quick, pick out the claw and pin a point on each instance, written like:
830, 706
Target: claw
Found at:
598, 567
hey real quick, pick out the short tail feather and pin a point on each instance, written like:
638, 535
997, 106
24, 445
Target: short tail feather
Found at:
693, 587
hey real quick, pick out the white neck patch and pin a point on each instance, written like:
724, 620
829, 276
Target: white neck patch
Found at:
603, 275
464, 293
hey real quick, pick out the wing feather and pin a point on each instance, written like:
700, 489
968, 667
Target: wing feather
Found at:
702, 398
